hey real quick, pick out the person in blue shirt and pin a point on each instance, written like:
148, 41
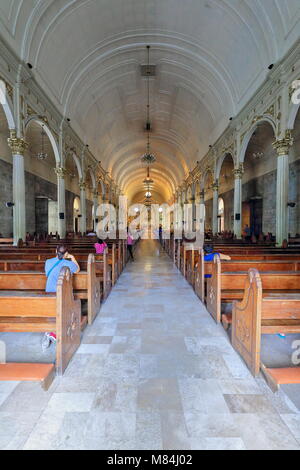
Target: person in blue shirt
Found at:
53, 267
210, 254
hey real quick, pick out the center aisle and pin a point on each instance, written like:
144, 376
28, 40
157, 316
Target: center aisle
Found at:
155, 372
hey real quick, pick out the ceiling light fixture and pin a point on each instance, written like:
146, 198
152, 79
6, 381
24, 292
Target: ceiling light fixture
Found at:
148, 157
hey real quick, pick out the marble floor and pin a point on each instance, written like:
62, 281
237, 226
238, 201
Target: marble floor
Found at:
154, 371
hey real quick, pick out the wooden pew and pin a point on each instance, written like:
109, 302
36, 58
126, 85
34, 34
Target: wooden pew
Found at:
242, 263
6, 241
81, 253
39, 312
229, 286
258, 314
86, 285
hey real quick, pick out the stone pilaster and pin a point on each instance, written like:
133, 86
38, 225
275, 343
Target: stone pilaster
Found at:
82, 186
215, 188
96, 203
282, 147
61, 200
18, 146
237, 224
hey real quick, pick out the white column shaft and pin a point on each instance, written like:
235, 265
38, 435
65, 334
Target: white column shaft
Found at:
83, 210
61, 206
282, 198
215, 211
237, 224
19, 210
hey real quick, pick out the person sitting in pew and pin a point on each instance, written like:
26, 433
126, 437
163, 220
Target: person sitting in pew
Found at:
210, 254
52, 270
100, 247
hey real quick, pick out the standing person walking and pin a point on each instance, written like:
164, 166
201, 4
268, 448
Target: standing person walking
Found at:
130, 242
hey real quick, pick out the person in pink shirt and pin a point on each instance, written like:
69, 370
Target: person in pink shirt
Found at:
130, 242
100, 247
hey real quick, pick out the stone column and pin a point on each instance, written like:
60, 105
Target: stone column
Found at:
82, 186
18, 146
237, 205
282, 187
61, 201
95, 199
193, 202
215, 188
201, 197
202, 202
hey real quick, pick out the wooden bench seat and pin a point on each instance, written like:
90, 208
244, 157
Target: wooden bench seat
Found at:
242, 264
86, 285
228, 286
255, 315
59, 313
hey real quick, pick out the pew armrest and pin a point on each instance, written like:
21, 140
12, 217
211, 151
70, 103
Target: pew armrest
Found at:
246, 322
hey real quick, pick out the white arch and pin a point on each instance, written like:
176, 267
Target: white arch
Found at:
7, 106
220, 162
48, 131
77, 163
93, 178
249, 134
204, 176
101, 183
189, 192
294, 108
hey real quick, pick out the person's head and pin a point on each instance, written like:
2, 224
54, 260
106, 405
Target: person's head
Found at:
208, 249
61, 251
100, 241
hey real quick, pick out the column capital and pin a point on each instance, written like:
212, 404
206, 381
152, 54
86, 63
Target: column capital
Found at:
238, 172
16, 144
215, 185
60, 172
282, 146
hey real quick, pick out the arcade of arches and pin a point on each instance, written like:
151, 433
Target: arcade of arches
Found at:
217, 127
223, 123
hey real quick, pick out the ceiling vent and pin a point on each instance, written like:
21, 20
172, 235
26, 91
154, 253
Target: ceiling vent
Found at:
148, 70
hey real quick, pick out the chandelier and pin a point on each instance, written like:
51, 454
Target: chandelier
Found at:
42, 155
148, 157
148, 182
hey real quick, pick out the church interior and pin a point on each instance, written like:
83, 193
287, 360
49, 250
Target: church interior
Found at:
149, 340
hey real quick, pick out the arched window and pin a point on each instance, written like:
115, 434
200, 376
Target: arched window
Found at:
221, 215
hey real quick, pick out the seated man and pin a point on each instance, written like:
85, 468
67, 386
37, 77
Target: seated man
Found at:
210, 254
52, 270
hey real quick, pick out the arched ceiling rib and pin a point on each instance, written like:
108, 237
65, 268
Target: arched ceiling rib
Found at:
211, 55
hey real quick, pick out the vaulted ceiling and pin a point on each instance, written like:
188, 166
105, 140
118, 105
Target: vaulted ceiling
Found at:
211, 56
